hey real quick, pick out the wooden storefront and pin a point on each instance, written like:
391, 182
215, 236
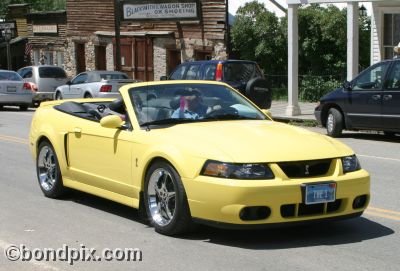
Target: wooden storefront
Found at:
47, 37
149, 49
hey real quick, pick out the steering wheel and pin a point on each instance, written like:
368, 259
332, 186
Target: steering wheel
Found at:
224, 111
101, 108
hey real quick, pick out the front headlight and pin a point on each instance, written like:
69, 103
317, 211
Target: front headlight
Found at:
237, 171
350, 163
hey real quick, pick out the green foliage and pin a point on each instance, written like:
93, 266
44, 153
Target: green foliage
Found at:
260, 35
36, 5
312, 88
322, 40
257, 35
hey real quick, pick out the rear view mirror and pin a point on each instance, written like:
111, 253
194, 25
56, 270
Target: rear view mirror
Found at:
347, 85
111, 121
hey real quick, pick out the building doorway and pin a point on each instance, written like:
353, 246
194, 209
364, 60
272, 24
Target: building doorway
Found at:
137, 58
80, 57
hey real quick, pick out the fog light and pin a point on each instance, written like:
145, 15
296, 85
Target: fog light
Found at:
254, 213
360, 202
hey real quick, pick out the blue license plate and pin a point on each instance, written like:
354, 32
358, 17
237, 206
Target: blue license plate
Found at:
320, 193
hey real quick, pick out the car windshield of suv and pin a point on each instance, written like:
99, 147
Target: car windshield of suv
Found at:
183, 103
238, 72
51, 72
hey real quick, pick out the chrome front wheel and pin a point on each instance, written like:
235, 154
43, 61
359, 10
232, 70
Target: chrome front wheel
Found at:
161, 197
165, 200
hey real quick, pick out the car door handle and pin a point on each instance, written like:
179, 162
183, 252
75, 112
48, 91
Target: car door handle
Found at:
376, 97
77, 130
387, 97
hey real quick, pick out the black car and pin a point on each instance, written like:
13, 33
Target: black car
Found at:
242, 75
371, 101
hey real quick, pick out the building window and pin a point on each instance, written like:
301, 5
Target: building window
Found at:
60, 59
36, 56
391, 33
48, 57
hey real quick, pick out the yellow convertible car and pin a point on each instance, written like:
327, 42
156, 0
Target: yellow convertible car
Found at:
186, 152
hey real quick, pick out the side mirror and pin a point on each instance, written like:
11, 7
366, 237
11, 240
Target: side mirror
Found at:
112, 121
267, 113
347, 85
69, 82
163, 78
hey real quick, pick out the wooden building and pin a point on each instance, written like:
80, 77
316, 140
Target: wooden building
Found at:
149, 48
47, 37
16, 16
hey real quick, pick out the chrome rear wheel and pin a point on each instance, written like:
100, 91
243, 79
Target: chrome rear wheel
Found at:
48, 171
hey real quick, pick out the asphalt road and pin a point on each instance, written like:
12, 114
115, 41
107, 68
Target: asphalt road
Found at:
370, 242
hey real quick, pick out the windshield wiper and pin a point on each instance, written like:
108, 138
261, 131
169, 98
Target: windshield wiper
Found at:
229, 117
167, 121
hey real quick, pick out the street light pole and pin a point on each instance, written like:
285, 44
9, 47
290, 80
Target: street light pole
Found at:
7, 36
117, 35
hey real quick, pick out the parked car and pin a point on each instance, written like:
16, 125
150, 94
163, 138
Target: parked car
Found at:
14, 91
371, 101
46, 79
103, 84
228, 166
243, 75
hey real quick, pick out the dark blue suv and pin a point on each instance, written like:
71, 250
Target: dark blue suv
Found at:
371, 101
242, 75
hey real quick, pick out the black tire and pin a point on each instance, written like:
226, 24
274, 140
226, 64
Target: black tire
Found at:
160, 217
258, 91
58, 96
334, 123
87, 95
23, 107
48, 171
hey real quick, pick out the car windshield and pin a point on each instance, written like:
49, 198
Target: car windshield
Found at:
9, 76
195, 102
51, 72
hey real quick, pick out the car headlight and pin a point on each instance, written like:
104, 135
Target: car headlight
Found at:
350, 163
237, 171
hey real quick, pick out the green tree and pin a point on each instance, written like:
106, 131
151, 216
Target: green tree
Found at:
36, 5
257, 35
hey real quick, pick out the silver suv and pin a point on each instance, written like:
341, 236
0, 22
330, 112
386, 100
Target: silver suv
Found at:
46, 79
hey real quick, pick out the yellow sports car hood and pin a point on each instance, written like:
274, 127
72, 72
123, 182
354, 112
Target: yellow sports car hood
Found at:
253, 141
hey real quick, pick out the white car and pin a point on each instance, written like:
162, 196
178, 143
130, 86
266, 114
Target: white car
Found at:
93, 84
14, 91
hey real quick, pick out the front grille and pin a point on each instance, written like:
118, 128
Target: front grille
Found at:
298, 210
305, 169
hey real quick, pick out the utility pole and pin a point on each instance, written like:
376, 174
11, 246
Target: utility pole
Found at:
117, 24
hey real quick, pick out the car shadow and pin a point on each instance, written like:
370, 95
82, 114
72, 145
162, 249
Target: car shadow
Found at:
320, 234
325, 233
16, 109
375, 136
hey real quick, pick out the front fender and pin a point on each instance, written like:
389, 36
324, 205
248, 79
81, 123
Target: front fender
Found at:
187, 165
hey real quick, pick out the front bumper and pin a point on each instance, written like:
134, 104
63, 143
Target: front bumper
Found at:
222, 200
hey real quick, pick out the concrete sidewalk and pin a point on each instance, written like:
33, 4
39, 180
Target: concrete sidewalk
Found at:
278, 111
